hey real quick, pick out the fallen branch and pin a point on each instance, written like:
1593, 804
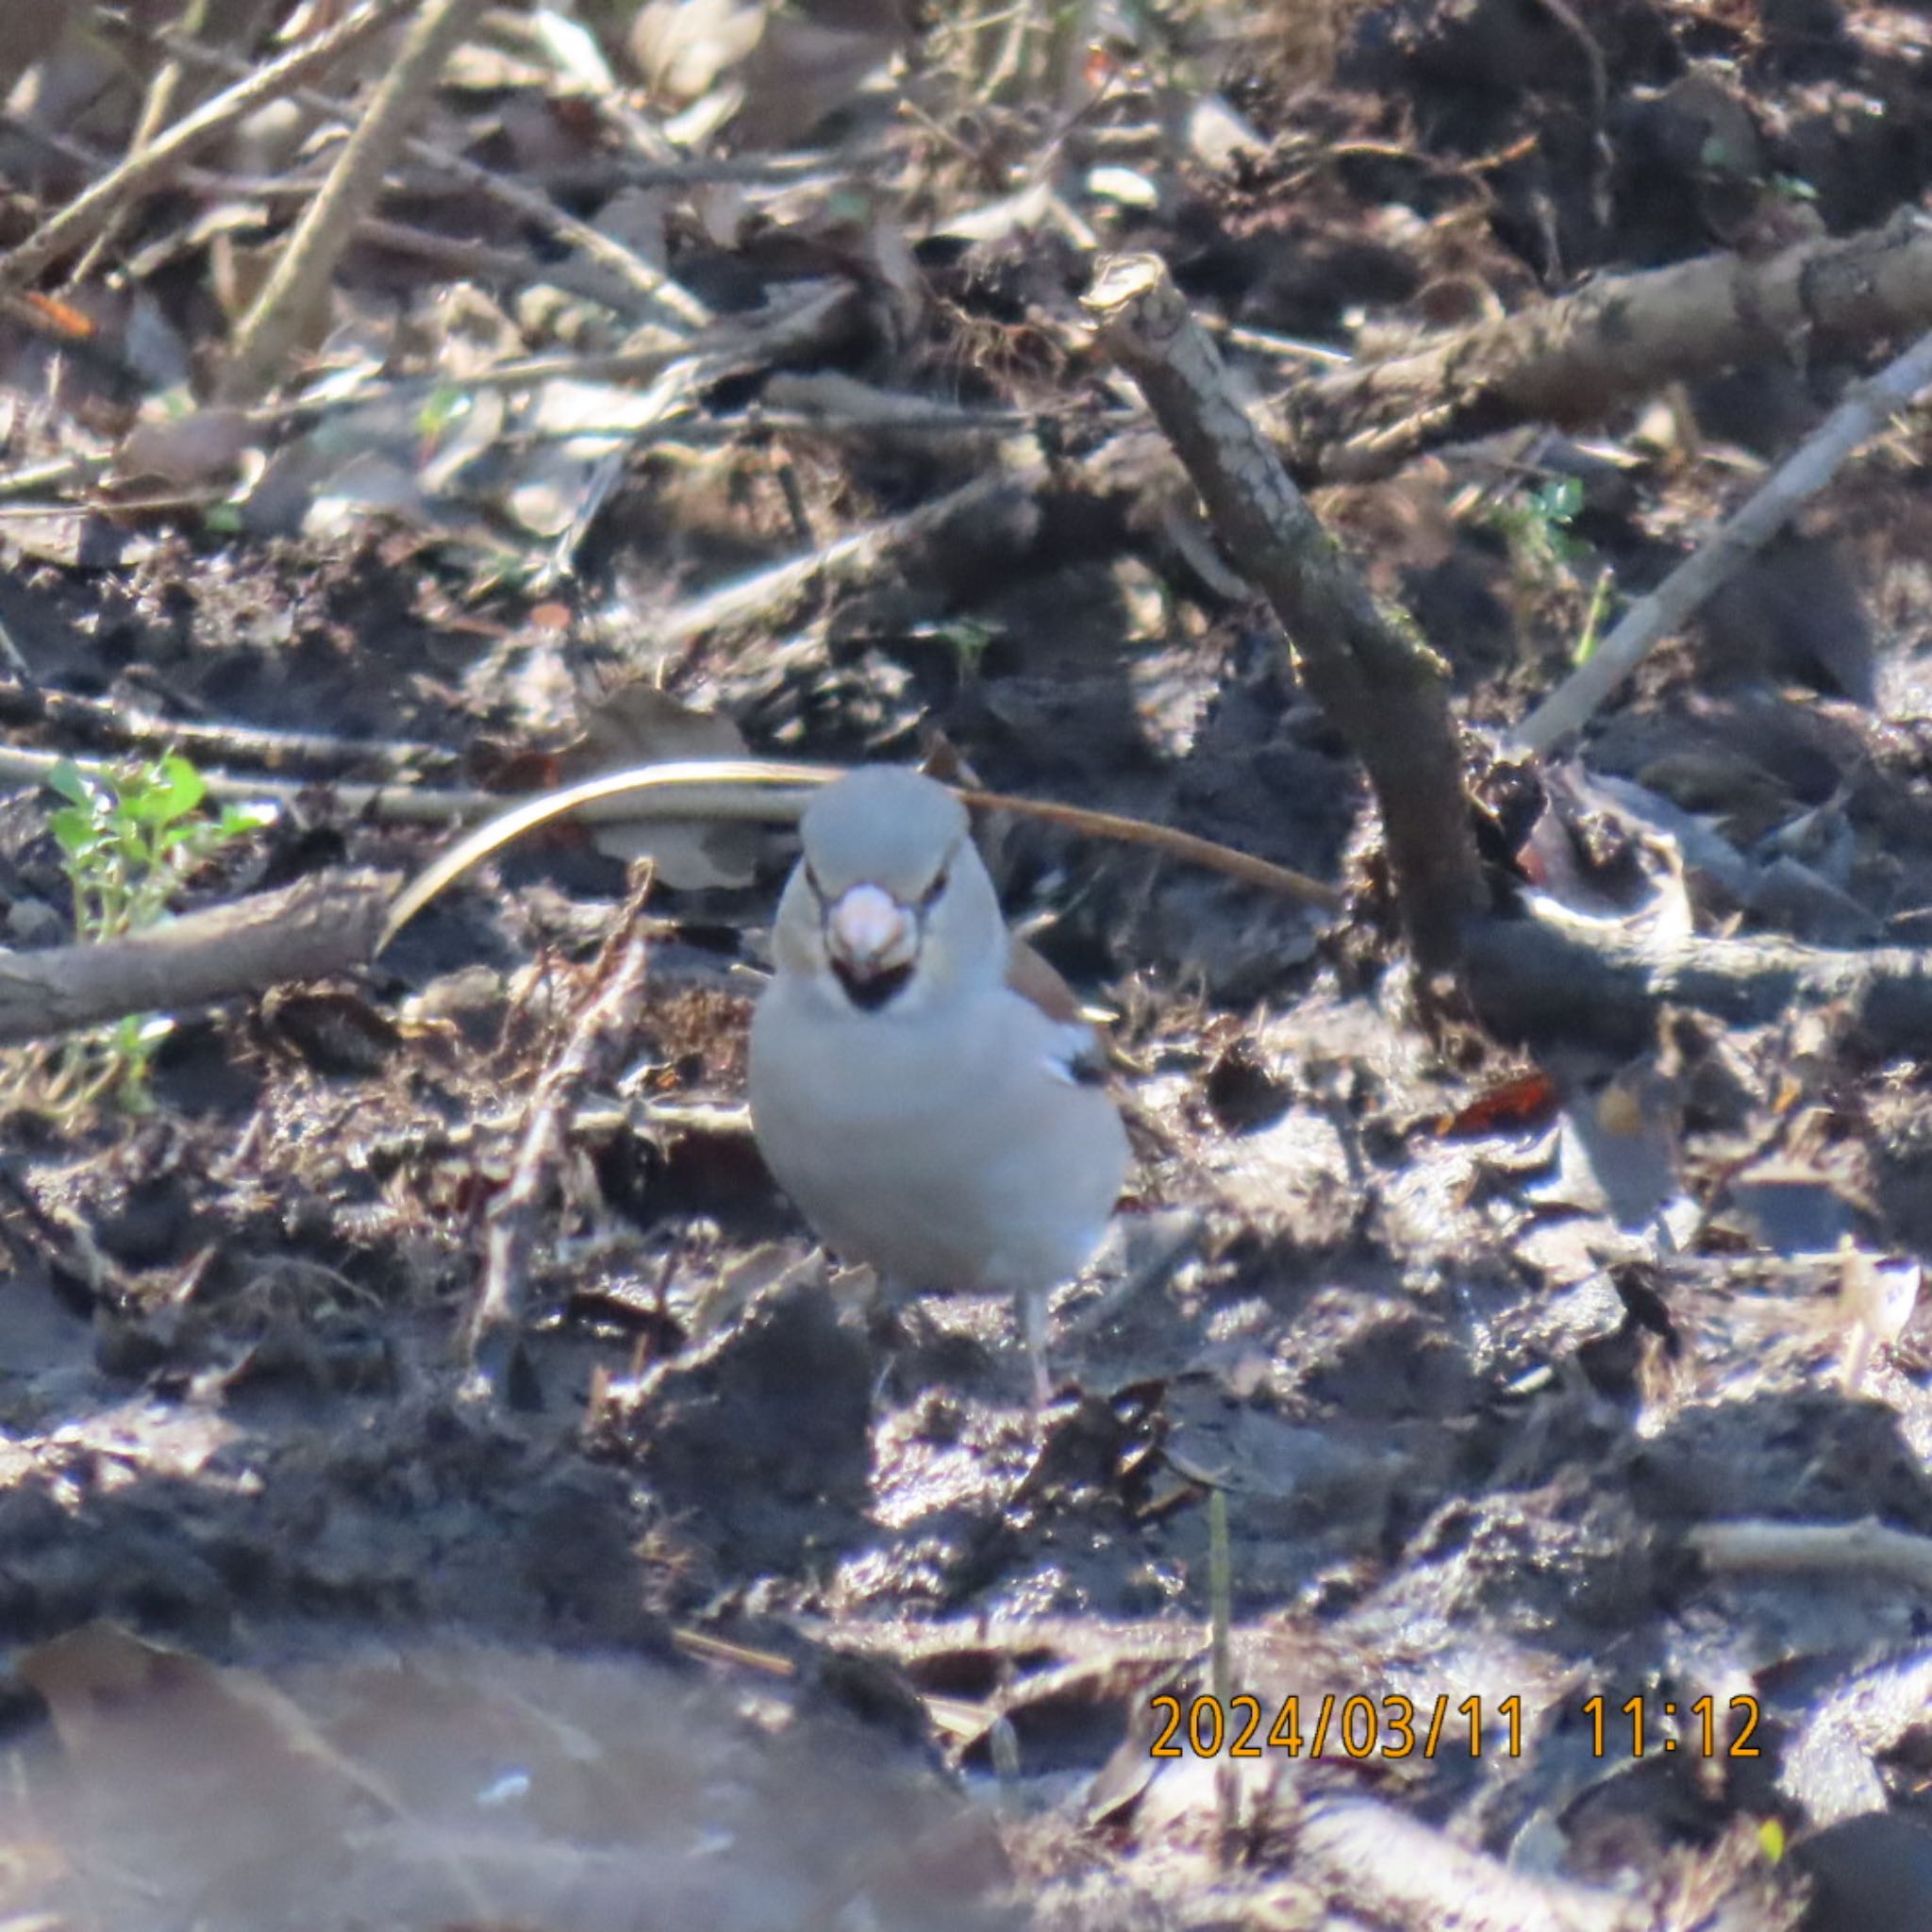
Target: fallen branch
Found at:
1576, 359
1543, 977
1379, 684
305, 931
1394, 1870
1839, 1549
1667, 607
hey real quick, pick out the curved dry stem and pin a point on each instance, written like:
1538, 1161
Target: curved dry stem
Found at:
1207, 852
774, 792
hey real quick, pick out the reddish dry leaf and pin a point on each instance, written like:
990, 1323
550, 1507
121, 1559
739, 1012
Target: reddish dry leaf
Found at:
1525, 1100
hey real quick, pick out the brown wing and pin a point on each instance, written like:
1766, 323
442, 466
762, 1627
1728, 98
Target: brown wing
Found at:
1032, 978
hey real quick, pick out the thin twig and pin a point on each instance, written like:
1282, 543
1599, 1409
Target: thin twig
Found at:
999, 508
602, 1025
91, 161
55, 473
29, 703
396, 802
629, 269
1172, 843
1801, 476
773, 791
726, 348
745, 340
287, 304
500, 268
1838, 1549
84, 217
743, 791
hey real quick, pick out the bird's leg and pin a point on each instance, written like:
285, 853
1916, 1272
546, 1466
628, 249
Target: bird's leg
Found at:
893, 1313
1033, 1315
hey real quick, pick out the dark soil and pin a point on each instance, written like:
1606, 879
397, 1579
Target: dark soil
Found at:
1464, 1410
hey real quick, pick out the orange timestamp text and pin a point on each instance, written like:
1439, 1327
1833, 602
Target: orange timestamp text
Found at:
1395, 1727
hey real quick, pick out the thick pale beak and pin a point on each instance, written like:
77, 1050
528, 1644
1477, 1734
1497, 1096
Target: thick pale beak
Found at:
870, 934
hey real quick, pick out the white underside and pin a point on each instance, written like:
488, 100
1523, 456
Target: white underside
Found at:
983, 1169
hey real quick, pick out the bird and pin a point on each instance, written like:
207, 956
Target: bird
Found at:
923, 1084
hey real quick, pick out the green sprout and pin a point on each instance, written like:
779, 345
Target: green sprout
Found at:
969, 639
129, 839
1595, 612
1535, 525
1550, 564
445, 406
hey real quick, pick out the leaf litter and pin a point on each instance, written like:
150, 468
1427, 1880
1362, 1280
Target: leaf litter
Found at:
1471, 1395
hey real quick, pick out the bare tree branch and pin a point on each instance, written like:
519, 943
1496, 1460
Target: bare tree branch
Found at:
307, 931
1383, 688
288, 303
1576, 359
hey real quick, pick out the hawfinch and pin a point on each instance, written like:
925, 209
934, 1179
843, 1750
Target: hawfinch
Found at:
921, 1083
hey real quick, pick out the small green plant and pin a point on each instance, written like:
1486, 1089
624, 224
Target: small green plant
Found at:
128, 838
967, 638
1552, 569
1535, 525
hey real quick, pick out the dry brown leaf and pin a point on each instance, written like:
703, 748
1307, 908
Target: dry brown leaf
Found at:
182, 450
800, 72
637, 724
683, 48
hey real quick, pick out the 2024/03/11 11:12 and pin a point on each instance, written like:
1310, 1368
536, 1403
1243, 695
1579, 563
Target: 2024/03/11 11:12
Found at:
1392, 1727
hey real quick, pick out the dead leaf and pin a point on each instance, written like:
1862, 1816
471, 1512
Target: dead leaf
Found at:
638, 725
185, 450
799, 73
1511, 1105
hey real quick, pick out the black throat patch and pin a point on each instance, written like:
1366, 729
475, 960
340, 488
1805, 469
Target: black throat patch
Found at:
870, 991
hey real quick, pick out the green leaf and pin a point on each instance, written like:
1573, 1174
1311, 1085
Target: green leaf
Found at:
73, 830
1560, 499
440, 408
239, 819
170, 790
65, 779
